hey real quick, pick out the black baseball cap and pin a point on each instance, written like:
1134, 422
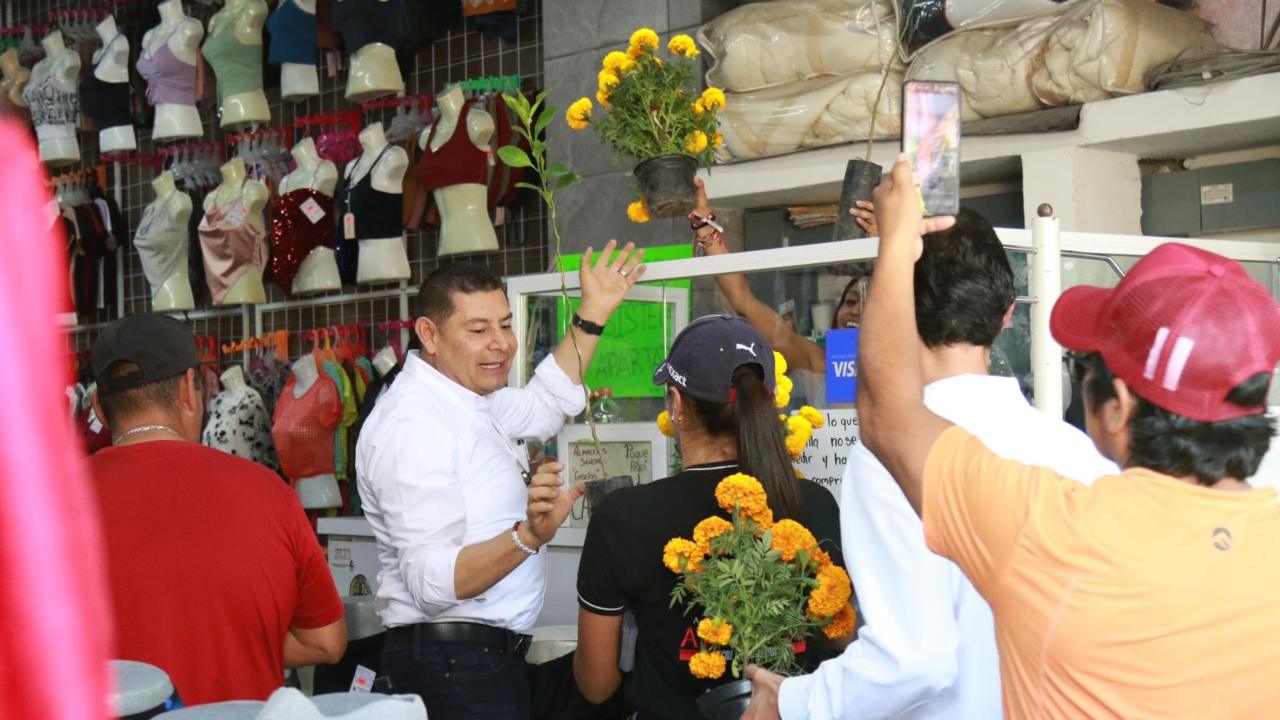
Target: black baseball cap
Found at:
706, 353
158, 344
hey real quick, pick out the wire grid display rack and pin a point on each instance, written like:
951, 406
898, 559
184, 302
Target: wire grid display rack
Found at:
456, 56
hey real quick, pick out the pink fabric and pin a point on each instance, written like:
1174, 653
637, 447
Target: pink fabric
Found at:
57, 629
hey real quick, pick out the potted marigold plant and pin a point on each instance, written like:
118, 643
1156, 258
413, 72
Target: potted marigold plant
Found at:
761, 586
650, 111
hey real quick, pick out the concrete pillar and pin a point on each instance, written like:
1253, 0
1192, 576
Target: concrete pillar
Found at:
1090, 190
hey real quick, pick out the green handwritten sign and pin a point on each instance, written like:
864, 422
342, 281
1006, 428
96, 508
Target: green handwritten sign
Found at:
636, 338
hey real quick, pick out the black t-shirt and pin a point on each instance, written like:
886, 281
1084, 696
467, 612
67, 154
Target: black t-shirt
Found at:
621, 569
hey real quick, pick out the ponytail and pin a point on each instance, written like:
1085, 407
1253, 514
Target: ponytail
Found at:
752, 418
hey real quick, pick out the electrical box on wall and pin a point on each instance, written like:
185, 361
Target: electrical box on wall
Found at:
1212, 199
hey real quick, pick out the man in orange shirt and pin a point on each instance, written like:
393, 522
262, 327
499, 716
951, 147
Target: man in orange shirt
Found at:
1154, 593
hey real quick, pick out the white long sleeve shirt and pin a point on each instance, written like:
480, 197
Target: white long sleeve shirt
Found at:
439, 469
928, 648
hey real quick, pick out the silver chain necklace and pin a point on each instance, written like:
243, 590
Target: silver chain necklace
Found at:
146, 428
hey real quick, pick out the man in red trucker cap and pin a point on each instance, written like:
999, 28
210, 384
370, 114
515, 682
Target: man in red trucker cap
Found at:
1151, 594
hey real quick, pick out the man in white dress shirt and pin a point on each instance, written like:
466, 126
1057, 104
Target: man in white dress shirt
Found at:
459, 519
928, 647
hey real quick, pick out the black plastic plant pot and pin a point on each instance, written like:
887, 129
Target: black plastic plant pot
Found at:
860, 178
726, 702
596, 490
667, 184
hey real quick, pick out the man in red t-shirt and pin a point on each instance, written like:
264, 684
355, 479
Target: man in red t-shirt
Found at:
216, 576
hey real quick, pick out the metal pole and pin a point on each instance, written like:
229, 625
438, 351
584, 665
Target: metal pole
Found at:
1046, 285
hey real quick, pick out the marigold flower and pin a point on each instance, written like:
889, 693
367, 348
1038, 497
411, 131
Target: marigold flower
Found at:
822, 557
614, 60
712, 527
678, 548
707, 665
579, 114
713, 99
698, 108
607, 80
744, 491
716, 632
644, 39
796, 443
799, 475
790, 537
717, 140
664, 417
833, 592
813, 415
627, 65
842, 624
683, 45
696, 142
638, 212
602, 97
783, 396
779, 363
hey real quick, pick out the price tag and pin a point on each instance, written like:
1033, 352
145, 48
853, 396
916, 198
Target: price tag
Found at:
312, 210
239, 215
488, 153
349, 226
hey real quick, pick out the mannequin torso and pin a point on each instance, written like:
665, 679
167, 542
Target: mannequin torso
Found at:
163, 246
381, 259
465, 226
111, 65
319, 269
55, 77
252, 195
244, 19
15, 77
179, 35
318, 491
300, 80
233, 379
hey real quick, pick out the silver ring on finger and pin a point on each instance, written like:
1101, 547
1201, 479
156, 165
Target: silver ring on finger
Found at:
623, 273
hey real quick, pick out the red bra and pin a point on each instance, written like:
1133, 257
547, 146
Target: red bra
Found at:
301, 221
457, 161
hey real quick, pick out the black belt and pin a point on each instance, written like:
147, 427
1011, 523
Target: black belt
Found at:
464, 632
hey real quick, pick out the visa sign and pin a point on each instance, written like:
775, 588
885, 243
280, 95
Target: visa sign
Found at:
842, 365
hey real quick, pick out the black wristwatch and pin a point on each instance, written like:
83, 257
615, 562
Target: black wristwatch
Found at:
587, 326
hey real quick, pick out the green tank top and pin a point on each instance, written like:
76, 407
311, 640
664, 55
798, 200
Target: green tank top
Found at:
237, 66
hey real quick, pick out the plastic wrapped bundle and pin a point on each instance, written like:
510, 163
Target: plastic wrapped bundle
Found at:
765, 44
992, 65
807, 114
1100, 48
926, 21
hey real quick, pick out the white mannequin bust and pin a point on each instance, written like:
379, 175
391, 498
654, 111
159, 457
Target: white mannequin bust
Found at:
233, 379
175, 292
381, 259
374, 73
113, 67
318, 271
58, 144
15, 77
317, 491
248, 290
298, 81
249, 17
175, 120
465, 226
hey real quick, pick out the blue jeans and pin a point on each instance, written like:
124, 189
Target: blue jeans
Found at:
459, 680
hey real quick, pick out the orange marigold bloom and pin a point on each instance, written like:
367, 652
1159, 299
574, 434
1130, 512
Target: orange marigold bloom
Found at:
833, 591
842, 624
712, 527
707, 665
747, 493
678, 549
716, 632
790, 537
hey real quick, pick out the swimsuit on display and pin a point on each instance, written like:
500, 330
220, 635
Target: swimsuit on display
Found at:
169, 80
237, 66
303, 428
377, 215
53, 110
231, 245
106, 102
161, 245
364, 22
294, 233
457, 161
293, 35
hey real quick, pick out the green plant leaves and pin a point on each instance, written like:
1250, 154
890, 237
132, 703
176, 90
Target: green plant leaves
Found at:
514, 156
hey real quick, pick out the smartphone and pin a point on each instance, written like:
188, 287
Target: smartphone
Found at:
931, 137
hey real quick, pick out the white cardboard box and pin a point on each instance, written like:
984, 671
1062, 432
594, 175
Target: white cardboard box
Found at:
353, 555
